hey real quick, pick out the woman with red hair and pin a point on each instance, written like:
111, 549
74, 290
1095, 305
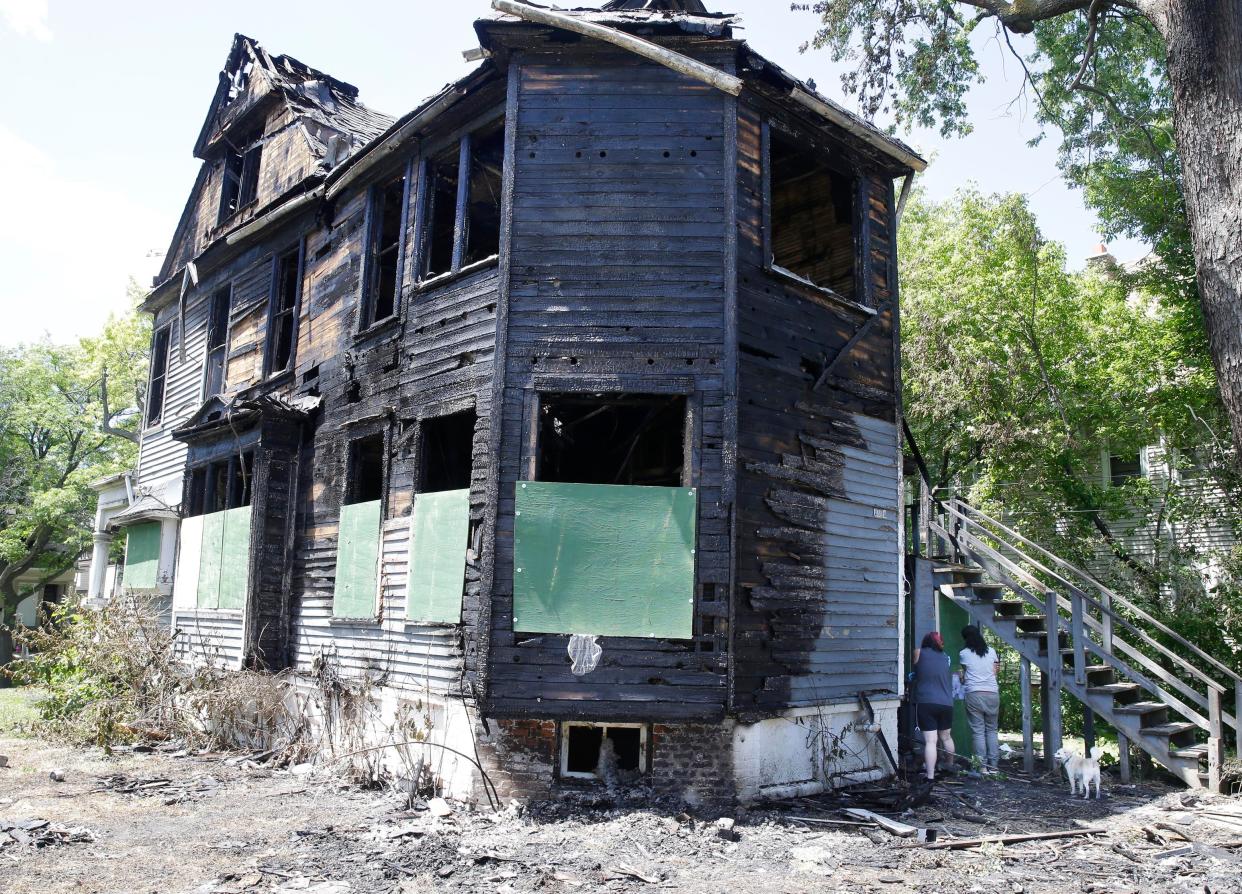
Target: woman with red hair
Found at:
933, 695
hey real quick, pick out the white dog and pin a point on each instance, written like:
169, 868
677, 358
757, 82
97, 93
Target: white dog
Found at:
1081, 770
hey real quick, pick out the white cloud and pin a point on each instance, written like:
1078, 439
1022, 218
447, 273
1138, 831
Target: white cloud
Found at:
27, 18
68, 246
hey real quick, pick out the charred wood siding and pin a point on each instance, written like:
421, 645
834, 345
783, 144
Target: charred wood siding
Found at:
437, 360
815, 613
286, 161
617, 284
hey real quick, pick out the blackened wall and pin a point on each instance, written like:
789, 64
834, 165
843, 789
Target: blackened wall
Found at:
617, 284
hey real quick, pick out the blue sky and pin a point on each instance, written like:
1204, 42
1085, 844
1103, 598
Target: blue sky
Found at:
102, 103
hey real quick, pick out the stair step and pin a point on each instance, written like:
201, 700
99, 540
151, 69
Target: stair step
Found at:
1115, 689
1141, 708
1003, 607
1031, 622
1169, 729
958, 569
988, 587
1191, 752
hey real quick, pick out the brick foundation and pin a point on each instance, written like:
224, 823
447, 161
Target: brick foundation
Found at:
692, 763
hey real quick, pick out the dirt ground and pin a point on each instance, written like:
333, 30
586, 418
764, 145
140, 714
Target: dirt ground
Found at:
167, 823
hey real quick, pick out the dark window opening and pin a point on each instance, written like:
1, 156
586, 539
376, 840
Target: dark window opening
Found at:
240, 185
447, 452
218, 338
224, 484
159, 375
388, 204
633, 439
812, 216
487, 158
441, 212
583, 745
1122, 469
281, 319
366, 470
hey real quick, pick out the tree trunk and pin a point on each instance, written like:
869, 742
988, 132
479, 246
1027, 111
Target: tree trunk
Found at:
1204, 40
6, 649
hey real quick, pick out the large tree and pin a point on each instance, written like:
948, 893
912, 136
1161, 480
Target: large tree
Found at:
916, 59
58, 432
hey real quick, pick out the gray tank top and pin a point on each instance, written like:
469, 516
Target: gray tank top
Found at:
933, 684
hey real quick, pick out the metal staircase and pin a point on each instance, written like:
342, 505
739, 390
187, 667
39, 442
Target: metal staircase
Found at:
1157, 689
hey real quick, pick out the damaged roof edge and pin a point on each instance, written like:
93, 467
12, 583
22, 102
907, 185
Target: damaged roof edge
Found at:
316, 188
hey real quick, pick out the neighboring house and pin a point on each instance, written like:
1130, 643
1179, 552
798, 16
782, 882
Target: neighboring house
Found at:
591, 352
1177, 477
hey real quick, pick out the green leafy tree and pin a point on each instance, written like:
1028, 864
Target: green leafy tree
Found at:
1146, 92
1018, 373
55, 438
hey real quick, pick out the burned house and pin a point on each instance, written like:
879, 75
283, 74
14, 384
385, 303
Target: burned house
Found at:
595, 351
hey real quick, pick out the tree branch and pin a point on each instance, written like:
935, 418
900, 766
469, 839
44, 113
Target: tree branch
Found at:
107, 428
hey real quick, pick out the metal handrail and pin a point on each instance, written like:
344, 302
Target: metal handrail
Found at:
1144, 616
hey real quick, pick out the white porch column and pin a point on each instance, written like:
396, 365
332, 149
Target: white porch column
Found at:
99, 566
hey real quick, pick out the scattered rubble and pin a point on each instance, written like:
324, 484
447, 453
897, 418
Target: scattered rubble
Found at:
280, 832
42, 833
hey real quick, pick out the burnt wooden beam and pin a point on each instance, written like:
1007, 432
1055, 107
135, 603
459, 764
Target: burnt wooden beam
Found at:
859, 334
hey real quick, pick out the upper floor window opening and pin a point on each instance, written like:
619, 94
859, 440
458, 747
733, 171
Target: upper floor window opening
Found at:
218, 311
446, 457
240, 185
366, 470
628, 439
157, 388
462, 202
387, 224
811, 215
282, 317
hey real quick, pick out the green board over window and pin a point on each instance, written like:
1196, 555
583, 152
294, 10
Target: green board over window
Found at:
224, 559
439, 535
605, 560
357, 561
142, 556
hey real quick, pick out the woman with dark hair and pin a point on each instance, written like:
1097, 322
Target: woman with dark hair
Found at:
980, 665
933, 696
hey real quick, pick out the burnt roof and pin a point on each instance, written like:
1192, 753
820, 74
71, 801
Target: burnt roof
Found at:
308, 92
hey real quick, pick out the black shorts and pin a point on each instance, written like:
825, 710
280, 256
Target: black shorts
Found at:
933, 718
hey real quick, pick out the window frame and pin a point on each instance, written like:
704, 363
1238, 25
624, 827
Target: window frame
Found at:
463, 139
294, 311
370, 263
247, 178
644, 747
199, 502
859, 230
153, 416
206, 391
536, 395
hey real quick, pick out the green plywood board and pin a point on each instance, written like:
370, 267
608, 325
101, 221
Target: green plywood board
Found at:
142, 556
357, 561
439, 535
235, 558
224, 559
209, 560
952, 619
602, 559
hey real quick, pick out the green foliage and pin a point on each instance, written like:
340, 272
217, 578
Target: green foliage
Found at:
53, 443
98, 671
1018, 374
18, 714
